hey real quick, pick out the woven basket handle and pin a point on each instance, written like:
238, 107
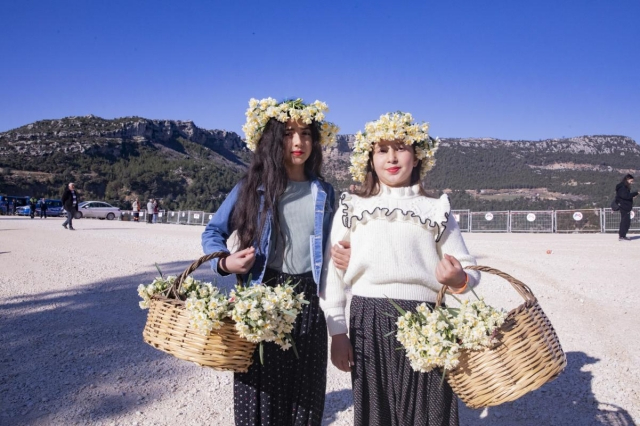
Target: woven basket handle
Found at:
177, 284
520, 287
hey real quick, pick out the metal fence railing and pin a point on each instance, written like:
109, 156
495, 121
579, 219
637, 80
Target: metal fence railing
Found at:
195, 218
588, 220
463, 217
183, 218
172, 217
162, 217
531, 221
560, 221
489, 221
612, 220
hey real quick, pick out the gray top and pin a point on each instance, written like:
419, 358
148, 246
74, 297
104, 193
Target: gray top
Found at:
293, 254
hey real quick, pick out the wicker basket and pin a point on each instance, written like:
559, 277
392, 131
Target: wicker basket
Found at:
168, 330
528, 355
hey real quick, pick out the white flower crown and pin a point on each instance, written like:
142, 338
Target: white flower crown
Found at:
260, 111
397, 126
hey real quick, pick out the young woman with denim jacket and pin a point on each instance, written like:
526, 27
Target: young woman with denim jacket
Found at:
282, 211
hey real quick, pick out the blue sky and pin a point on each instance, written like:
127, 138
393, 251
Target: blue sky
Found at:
505, 69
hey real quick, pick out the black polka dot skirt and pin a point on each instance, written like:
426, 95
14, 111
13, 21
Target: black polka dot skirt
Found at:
386, 390
287, 390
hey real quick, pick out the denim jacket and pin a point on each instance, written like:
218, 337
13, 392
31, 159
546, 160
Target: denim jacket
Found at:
217, 232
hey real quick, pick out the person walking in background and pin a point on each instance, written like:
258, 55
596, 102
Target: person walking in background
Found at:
624, 198
11, 207
32, 207
70, 204
43, 208
150, 210
155, 210
136, 210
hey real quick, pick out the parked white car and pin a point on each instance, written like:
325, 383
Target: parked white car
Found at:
97, 209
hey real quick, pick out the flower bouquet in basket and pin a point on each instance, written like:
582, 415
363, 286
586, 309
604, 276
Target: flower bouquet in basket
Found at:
266, 314
193, 320
434, 337
488, 356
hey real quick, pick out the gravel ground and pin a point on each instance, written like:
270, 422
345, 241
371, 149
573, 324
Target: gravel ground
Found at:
71, 350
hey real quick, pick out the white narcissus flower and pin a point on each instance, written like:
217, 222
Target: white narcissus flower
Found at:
260, 111
268, 321
264, 306
434, 339
393, 126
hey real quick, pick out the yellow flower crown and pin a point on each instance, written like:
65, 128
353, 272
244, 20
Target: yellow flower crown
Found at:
260, 111
397, 126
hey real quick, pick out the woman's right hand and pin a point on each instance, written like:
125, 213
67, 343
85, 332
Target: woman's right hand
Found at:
239, 262
341, 254
341, 352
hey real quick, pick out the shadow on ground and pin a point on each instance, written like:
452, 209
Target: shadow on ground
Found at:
336, 402
79, 354
568, 400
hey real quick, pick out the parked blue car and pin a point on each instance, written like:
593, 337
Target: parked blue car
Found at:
54, 208
8, 201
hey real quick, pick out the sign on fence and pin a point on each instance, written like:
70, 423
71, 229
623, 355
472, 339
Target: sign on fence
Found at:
532, 221
489, 222
172, 217
584, 220
183, 218
195, 218
612, 220
578, 221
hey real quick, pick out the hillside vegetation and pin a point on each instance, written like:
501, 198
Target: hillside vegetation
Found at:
192, 168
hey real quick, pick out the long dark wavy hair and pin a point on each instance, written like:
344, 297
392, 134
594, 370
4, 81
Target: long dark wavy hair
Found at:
626, 179
267, 170
371, 184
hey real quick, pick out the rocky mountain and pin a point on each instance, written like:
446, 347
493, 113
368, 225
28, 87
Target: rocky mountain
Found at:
123, 158
191, 167
93, 135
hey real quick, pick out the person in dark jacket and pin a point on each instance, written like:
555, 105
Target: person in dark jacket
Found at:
70, 204
624, 198
43, 208
32, 206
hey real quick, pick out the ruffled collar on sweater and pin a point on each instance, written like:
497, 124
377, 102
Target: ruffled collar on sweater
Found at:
403, 204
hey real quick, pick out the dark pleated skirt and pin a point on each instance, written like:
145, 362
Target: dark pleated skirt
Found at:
287, 390
386, 390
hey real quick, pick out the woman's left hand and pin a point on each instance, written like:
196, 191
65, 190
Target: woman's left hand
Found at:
449, 272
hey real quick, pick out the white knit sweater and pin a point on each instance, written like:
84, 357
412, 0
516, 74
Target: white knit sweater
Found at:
397, 239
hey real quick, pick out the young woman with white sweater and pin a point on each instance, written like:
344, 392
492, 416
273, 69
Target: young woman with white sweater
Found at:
404, 246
